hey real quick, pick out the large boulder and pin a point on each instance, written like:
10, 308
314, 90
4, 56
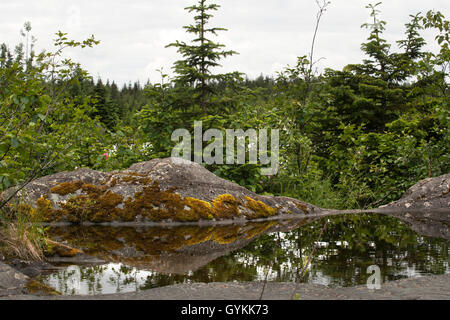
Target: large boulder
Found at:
161, 190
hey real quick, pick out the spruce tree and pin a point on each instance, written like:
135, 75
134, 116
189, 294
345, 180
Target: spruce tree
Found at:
107, 110
195, 70
377, 49
379, 83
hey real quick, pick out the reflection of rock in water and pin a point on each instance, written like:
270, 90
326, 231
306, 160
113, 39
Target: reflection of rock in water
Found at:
425, 207
191, 258
171, 250
428, 223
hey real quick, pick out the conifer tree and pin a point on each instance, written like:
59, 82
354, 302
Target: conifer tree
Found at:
201, 56
107, 109
377, 48
379, 89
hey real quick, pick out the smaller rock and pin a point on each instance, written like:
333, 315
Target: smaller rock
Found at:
11, 280
429, 194
30, 269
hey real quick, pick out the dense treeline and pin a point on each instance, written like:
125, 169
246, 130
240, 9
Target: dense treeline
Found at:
356, 137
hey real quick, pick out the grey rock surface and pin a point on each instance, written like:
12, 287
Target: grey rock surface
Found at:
188, 179
424, 288
11, 280
428, 194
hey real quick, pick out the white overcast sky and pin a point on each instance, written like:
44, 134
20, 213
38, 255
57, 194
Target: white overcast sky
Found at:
268, 34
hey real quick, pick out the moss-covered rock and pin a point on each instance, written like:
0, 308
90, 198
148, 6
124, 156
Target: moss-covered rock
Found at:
170, 190
161, 190
61, 250
38, 288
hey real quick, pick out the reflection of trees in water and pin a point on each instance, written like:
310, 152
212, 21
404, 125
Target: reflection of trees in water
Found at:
123, 276
70, 280
94, 280
352, 243
92, 276
349, 245
369, 239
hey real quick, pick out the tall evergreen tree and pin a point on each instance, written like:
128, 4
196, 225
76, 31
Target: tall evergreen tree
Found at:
378, 85
107, 109
195, 70
377, 49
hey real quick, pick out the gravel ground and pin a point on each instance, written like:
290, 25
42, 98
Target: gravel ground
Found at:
424, 288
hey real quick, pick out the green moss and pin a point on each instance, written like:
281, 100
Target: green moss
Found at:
44, 211
66, 188
36, 287
155, 204
202, 208
226, 207
93, 190
62, 250
110, 200
79, 208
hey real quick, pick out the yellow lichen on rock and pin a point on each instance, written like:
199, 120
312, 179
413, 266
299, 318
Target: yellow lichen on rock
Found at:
98, 204
155, 204
302, 207
135, 178
259, 208
202, 208
226, 207
66, 188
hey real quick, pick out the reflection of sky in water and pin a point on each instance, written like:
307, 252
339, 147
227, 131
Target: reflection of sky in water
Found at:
104, 279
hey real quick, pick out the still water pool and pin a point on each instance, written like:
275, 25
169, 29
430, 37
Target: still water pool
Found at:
142, 258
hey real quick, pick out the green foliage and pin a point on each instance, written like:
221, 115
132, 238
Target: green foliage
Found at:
351, 138
376, 128
41, 127
194, 73
106, 109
